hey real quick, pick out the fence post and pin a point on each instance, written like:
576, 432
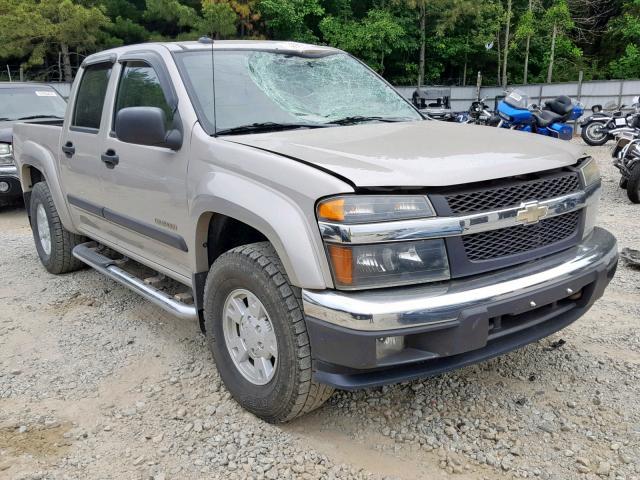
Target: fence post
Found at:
478, 85
21, 74
620, 94
540, 95
579, 96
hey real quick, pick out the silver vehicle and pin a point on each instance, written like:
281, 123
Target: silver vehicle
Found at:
322, 232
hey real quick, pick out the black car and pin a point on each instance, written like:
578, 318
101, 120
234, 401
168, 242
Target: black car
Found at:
22, 102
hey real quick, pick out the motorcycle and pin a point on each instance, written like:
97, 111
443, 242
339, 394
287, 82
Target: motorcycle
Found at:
626, 158
478, 114
601, 127
515, 113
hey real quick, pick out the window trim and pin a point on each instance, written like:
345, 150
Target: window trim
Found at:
157, 63
80, 128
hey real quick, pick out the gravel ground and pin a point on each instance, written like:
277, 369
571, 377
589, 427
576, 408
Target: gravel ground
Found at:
95, 383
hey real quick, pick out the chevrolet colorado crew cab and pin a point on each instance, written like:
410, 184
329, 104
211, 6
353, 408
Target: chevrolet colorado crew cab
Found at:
323, 232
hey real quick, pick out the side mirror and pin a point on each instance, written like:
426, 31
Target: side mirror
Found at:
146, 126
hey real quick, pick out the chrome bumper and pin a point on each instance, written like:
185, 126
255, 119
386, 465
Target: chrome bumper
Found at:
9, 171
440, 305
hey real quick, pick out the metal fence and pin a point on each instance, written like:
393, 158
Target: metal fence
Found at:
588, 93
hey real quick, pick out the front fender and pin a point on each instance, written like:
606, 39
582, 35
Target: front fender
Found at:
292, 233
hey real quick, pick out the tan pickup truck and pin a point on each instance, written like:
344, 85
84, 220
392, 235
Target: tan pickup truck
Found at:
323, 232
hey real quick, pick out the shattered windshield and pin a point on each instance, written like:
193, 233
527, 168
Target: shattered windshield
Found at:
258, 87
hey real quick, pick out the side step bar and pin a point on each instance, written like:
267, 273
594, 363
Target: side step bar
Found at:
86, 253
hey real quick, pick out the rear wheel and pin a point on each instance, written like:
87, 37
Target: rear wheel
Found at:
593, 135
54, 243
633, 184
256, 331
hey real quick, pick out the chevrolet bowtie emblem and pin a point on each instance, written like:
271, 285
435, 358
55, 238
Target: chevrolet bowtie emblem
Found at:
531, 212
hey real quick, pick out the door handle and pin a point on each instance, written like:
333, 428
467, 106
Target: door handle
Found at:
110, 158
68, 149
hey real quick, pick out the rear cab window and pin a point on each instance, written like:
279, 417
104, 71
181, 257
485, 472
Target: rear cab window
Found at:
89, 103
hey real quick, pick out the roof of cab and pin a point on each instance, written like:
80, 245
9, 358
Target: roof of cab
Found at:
206, 44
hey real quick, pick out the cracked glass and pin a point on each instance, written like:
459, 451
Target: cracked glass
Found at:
260, 87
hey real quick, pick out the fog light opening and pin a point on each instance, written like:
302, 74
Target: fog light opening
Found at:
575, 296
386, 346
4, 187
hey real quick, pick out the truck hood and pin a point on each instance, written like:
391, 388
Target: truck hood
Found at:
416, 154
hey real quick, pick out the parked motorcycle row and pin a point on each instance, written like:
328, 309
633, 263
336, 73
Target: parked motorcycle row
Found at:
516, 113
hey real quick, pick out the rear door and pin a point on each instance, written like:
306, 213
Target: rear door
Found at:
81, 171
146, 198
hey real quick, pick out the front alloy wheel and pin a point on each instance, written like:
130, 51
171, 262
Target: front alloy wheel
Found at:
249, 337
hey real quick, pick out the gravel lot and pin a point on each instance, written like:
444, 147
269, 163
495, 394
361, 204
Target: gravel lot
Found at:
95, 383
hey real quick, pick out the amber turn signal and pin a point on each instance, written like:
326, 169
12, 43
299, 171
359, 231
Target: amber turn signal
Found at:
342, 262
332, 210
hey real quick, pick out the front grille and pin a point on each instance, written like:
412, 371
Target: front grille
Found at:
520, 238
512, 194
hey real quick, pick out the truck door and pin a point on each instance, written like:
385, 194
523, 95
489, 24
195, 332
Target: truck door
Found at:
145, 193
81, 171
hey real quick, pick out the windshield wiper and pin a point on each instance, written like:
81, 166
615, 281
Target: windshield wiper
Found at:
266, 127
33, 117
5, 119
352, 120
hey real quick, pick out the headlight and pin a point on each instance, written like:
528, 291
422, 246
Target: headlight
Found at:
388, 264
6, 154
384, 264
590, 175
374, 208
589, 171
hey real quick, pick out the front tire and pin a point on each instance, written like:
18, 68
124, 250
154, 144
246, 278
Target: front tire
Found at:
53, 242
633, 184
256, 331
592, 134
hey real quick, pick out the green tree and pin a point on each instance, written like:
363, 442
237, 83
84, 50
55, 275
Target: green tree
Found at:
524, 31
558, 19
218, 19
286, 19
66, 25
623, 39
370, 39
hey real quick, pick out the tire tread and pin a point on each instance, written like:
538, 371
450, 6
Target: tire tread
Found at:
311, 394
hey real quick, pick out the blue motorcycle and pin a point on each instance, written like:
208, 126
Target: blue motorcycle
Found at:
515, 113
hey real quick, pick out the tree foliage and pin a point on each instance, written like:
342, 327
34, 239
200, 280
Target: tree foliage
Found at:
436, 41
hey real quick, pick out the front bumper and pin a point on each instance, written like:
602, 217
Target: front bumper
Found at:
456, 323
9, 175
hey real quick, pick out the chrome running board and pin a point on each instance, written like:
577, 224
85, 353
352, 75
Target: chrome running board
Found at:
87, 253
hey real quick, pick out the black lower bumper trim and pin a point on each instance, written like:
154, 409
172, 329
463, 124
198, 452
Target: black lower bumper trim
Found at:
346, 359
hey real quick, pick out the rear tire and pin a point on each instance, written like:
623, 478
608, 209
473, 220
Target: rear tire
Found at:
623, 183
633, 184
287, 391
53, 242
592, 136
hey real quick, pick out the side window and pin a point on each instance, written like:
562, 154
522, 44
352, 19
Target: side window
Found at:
140, 87
90, 97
